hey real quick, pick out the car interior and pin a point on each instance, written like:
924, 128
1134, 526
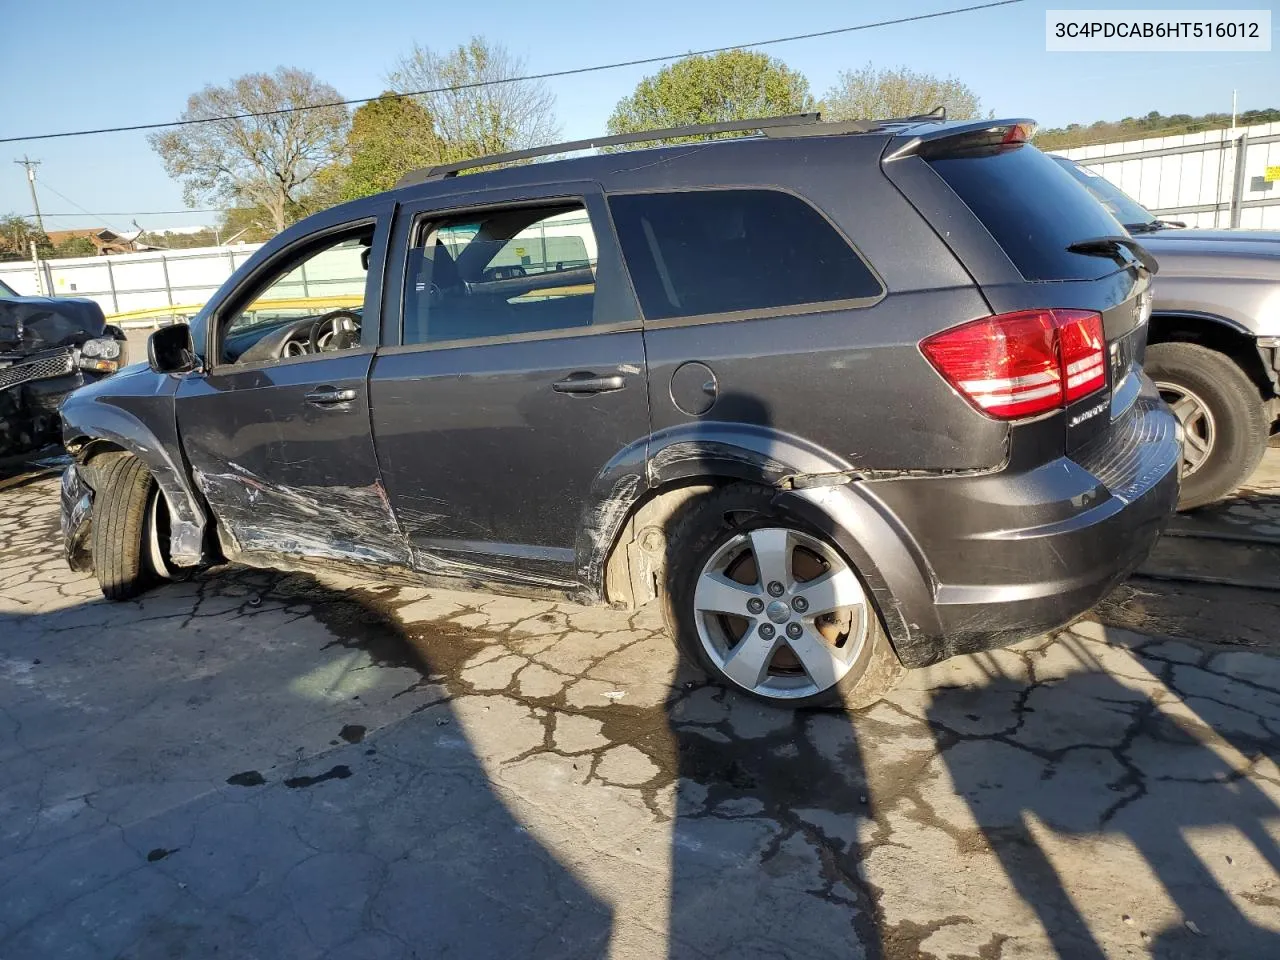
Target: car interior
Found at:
498, 275
277, 324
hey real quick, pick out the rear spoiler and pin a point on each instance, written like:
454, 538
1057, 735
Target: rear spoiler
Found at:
959, 136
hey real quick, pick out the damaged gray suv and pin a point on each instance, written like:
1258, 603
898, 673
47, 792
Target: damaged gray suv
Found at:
841, 397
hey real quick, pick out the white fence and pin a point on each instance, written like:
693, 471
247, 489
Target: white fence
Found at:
1212, 179
132, 282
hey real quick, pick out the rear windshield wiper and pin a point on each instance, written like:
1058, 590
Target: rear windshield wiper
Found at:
1110, 247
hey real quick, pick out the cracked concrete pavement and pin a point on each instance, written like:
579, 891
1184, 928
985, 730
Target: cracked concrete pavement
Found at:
259, 764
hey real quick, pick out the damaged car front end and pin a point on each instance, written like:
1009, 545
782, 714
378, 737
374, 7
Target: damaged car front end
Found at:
48, 348
77, 509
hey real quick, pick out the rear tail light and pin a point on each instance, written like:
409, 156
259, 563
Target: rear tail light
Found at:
1022, 364
1020, 133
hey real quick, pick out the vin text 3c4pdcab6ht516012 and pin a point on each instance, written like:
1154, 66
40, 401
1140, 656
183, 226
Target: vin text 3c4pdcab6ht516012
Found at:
843, 398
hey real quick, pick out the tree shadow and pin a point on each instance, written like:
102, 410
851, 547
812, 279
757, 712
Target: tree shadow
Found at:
155, 809
772, 808
1081, 760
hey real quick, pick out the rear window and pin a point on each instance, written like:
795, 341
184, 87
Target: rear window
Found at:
1033, 208
693, 253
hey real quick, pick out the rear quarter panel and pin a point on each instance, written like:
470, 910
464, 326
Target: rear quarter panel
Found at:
852, 381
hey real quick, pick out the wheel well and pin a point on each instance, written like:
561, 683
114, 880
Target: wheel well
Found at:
90, 449
636, 561
1218, 336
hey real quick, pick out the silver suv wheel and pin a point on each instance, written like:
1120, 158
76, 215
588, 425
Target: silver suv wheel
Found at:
1198, 426
780, 613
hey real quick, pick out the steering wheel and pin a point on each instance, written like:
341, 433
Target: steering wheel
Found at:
330, 329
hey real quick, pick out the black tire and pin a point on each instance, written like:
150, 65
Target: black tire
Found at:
708, 522
1241, 427
122, 488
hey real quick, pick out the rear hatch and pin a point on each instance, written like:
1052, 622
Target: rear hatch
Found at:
1063, 253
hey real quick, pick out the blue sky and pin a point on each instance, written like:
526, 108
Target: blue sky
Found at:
71, 64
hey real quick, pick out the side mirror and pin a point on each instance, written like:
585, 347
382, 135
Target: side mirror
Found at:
169, 350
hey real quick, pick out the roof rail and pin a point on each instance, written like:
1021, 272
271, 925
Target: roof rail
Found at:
765, 124
791, 125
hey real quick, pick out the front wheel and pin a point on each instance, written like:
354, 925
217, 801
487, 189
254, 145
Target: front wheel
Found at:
773, 609
125, 512
1224, 421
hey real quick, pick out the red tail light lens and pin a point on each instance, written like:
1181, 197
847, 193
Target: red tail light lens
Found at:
1022, 364
1020, 133
1083, 350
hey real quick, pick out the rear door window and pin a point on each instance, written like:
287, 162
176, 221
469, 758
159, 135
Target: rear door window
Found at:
1033, 208
700, 252
500, 273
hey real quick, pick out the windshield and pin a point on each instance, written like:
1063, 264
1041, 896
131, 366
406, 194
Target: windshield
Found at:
1121, 206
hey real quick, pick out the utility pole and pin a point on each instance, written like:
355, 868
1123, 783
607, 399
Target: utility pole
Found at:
31, 182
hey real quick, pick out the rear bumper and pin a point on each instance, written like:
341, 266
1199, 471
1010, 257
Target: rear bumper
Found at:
998, 558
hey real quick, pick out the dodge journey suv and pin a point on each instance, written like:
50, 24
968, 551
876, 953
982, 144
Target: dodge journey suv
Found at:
843, 398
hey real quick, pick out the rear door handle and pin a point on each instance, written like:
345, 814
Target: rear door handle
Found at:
586, 383
327, 396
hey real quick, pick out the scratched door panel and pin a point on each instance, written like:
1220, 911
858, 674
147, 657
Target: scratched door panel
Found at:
488, 465
285, 474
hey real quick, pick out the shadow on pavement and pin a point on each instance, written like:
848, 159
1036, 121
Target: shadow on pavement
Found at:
772, 803
1029, 794
116, 838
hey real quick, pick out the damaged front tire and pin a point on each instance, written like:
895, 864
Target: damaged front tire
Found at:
122, 503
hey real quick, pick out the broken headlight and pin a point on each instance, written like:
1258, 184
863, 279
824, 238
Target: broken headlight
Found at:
103, 354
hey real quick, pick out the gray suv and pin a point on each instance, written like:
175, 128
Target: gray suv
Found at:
841, 397
1214, 345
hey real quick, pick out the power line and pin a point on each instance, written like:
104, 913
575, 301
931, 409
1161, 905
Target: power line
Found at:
552, 74
90, 213
130, 213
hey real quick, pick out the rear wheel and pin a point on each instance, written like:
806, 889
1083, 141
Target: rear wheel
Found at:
124, 503
771, 608
1224, 420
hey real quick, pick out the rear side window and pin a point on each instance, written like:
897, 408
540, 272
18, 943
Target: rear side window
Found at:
1033, 208
693, 253
500, 273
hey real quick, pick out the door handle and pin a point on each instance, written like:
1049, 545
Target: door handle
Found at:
327, 396
586, 383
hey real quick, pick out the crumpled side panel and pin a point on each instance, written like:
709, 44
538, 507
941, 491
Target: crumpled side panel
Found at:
335, 523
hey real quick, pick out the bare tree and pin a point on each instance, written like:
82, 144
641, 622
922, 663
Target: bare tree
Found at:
265, 161
871, 94
473, 120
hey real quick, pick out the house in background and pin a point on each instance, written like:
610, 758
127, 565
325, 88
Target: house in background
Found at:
105, 241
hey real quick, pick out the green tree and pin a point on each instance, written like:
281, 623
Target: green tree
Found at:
389, 137
733, 85
871, 94
16, 236
246, 225
1151, 125
471, 120
75, 247
261, 161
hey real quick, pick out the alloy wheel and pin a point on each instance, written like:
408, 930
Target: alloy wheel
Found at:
780, 613
1198, 426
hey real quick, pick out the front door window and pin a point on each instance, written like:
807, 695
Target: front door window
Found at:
312, 305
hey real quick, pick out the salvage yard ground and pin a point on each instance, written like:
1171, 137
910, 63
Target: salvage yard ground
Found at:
253, 764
